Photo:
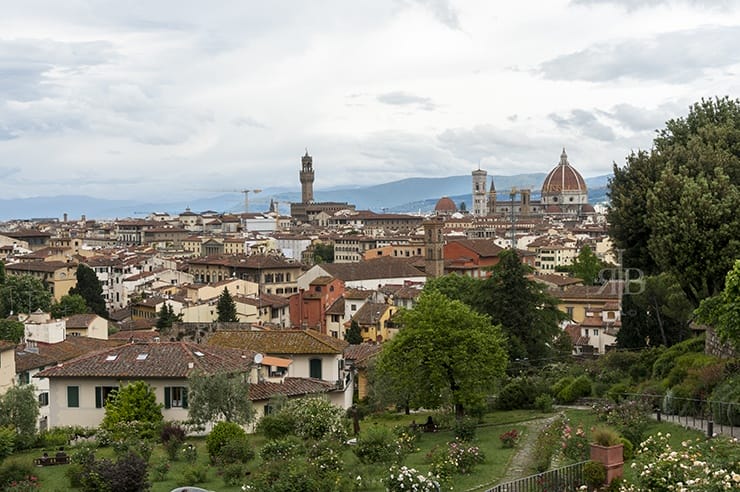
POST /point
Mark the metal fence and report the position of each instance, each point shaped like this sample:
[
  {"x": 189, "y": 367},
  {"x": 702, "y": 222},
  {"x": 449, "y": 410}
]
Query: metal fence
[{"x": 566, "y": 479}]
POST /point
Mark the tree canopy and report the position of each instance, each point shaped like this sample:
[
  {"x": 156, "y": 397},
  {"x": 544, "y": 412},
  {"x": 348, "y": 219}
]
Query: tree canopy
[
  {"x": 226, "y": 308},
  {"x": 353, "y": 335},
  {"x": 134, "y": 402},
  {"x": 166, "y": 318},
  {"x": 723, "y": 311},
  {"x": 219, "y": 397},
  {"x": 19, "y": 410},
  {"x": 674, "y": 209},
  {"x": 445, "y": 353},
  {"x": 23, "y": 294},
  {"x": 90, "y": 288},
  {"x": 11, "y": 330},
  {"x": 323, "y": 253},
  {"x": 587, "y": 266},
  {"x": 69, "y": 305}
]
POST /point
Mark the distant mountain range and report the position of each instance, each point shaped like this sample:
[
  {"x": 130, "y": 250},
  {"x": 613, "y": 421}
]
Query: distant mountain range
[{"x": 410, "y": 195}]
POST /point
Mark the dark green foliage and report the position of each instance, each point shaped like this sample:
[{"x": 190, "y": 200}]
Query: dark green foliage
[
  {"x": 237, "y": 450},
  {"x": 219, "y": 397},
  {"x": 226, "y": 308},
  {"x": 23, "y": 294},
  {"x": 14, "y": 471},
  {"x": 234, "y": 474},
  {"x": 90, "y": 289},
  {"x": 127, "y": 474},
  {"x": 277, "y": 425},
  {"x": 594, "y": 474},
  {"x": 723, "y": 311},
  {"x": 166, "y": 317},
  {"x": 222, "y": 433},
  {"x": 543, "y": 403},
  {"x": 7, "y": 442},
  {"x": 463, "y": 288},
  {"x": 378, "y": 445},
  {"x": 172, "y": 436},
  {"x": 587, "y": 266},
  {"x": 353, "y": 335},
  {"x": 11, "y": 330},
  {"x": 19, "y": 411},
  {"x": 579, "y": 388},
  {"x": 69, "y": 305},
  {"x": 134, "y": 403},
  {"x": 561, "y": 384},
  {"x": 667, "y": 360},
  {"x": 323, "y": 253},
  {"x": 2, "y": 272},
  {"x": 465, "y": 428},
  {"x": 194, "y": 475},
  {"x": 618, "y": 392},
  {"x": 283, "y": 449},
  {"x": 725, "y": 399},
  {"x": 519, "y": 393},
  {"x": 628, "y": 449}
]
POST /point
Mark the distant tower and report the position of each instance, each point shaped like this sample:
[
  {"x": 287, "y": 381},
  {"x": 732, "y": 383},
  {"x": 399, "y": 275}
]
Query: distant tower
[
  {"x": 480, "y": 203},
  {"x": 434, "y": 264},
  {"x": 306, "y": 175},
  {"x": 492, "y": 199}
]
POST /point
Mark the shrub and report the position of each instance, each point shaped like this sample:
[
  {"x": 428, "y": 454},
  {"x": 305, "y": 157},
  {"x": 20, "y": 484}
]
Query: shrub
[
  {"x": 7, "y": 442},
  {"x": 236, "y": 451},
  {"x": 190, "y": 453},
  {"x": 561, "y": 384},
  {"x": 234, "y": 474},
  {"x": 127, "y": 474},
  {"x": 628, "y": 449},
  {"x": 56, "y": 437},
  {"x": 281, "y": 449},
  {"x": 443, "y": 419},
  {"x": 547, "y": 443},
  {"x": 726, "y": 402},
  {"x": 172, "y": 431},
  {"x": 509, "y": 438},
  {"x": 222, "y": 433},
  {"x": 316, "y": 418},
  {"x": 378, "y": 445},
  {"x": 465, "y": 428},
  {"x": 630, "y": 417},
  {"x": 160, "y": 469},
  {"x": 579, "y": 388},
  {"x": 575, "y": 443},
  {"x": 604, "y": 436},
  {"x": 667, "y": 360},
  {"x": 277, "y": 425},
  {"x": 518, "y": 393},
  {"x": 456, "y": 457},
  {"x": 404, "y": 479},
  {"x": 594, "y": 474},
  {"x": 407, "y": 436},
  {"x": 617, "y": 392},
  {"x": 14, "y": 471},
  {"x": 543, "y": 403},
  {"x": 194, "y": 475},
  {"x": 325, "y": 459}
]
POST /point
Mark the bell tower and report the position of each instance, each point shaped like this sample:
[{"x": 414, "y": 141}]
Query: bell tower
[
  {"x": 306, "y": 176},
  {"x": 434, "y": 263}
]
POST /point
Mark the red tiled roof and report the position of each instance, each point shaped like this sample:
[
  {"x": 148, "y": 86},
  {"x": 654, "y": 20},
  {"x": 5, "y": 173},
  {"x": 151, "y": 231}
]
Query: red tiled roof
[
  {"x": 289, "y": 387},
  {"x": 380, "y": 268},
  {"x": 47, "y": 354},
  {"x": 279, "y": 342}
]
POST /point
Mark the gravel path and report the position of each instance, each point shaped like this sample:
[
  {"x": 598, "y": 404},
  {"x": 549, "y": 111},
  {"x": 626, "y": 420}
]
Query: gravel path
[{"x": 521, "y": 463}]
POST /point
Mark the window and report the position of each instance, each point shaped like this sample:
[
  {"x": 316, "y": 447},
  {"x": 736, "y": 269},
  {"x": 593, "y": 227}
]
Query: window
[
  {"x": 73, "y": 396},
  {"x": 335, "y": 318},
  {"x": 175, "y": 397},
  {"x": 43, "y": 399},
  {"x": 315, "y": 368},
  {"x": 569, "y": 312},
  {"x": 268, "y": 409},
  {"x": 353, "y": 307},
  {"x": 102, "y": 393},
  {"x": 23, "y": 378},
  {"x": 596, "y": 332}
]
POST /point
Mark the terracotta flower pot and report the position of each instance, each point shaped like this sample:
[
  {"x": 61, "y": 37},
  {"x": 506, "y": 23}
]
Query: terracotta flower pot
[{"x": 611, "y": 457}]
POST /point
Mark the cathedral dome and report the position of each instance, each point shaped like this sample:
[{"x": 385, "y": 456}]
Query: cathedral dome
[
  {"x": 564, "y": 178},
  {"x": 445, "y": 205}
]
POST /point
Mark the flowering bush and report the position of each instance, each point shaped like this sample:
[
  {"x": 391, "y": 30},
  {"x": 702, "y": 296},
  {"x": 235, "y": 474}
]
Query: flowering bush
[
  {"x": 407, "y": 438},
  {"x": 509, "y": 438},
  {"x": 575, "y": 443},
  {"x": 630, "y": 417},
  {"x": 698, "y": 466},
  {"x": 404, "y": 479},
  {"x": 378, "y": 445},
  {"x": 190, "y": 453},
  {"x": 317, "y": 418},
  {"x": 457, "y": 457},
  {"x": 29, "y": 483}
]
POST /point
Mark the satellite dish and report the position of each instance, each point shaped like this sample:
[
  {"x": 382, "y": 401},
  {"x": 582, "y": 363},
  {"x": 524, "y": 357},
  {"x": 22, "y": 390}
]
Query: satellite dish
[{"x": 258, "y": 358}]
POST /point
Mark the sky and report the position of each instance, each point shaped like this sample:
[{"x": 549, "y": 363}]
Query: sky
[{"x": 169, "y": 99}]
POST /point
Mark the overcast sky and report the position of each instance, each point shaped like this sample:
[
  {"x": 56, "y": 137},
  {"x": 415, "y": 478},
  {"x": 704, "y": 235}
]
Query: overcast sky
[{"x": 175, "y": 98}]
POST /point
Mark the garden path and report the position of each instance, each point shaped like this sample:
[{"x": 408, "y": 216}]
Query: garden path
[{"x": 521, "y": 463}]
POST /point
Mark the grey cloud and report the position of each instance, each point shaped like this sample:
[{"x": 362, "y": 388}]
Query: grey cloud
[
  {"x": 443, "y": 11},
  {"x": 641, "y": 4},
  {"x": 248, "y": 121},
  {"x": 585, "y": 123},
  {"x": 679, "y": 56},
  {"x": 399, "y": 98},
  {"x": 642, "y": 119}
]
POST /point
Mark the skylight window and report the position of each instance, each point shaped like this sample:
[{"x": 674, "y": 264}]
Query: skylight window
[
  {"x": 142, "y": 356},
  {"x": 199, "y": 353},
  {"x": 111, "y": 357}
]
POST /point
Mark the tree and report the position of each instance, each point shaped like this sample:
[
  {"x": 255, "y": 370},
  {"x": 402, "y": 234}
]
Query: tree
[
  {"x": 654, "y": 313},
  {"x": 323, "y": 253},
  {"x": 723, "y": 311},
  {"x": 226, "y": 308},
  {"x": 528, "y": 315},
  {"x": 2, "y": 272},
  {"x": 69, "y": 305},
  {"x": 460, "y": 287},
  {"x": 166, "y": 318},
  {"x": 587, "y": 266},
  {"x": 11, "y": 330},
  {"x": 23, "y": 294},
  {"x": 673, "y": 209},
  {"x": 133, "y": 403},
  {"x": 353, "y": 335},
  {"x": 19, "y": 410},
  {"x": 219, "y": 397},
  {"x": 445, "y": 353},
  {"x": 90, "y": 288}
]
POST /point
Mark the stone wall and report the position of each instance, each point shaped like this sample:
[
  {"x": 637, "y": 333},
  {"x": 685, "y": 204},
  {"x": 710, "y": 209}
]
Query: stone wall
[{"x": 714, "y": 346}]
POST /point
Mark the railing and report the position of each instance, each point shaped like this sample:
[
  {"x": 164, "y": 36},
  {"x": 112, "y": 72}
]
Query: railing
[{"x": 566, "y": 479}]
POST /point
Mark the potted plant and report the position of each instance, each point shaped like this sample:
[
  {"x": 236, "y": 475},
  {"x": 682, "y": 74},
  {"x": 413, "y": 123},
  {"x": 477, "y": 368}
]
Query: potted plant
[{"x": 607, "y": 449}]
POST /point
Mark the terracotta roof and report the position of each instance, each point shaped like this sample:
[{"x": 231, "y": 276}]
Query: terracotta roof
[
  {"x": 558, "y": 280},
  {"x": 609, "y": 291},
  {"x": 360, "y": 353},
  {"x": 154, "y": 360},
  {"x": 445, "y": 204},
  {"x": 289, "y": 387},
  {"x": 323, "y": 280},
  {"x": 269, "y": 360},
  {"x": 370, "y": 313},
  {"x": 563, "y": 177},
  {"x": 482, "y": 247},
  {"x": 39, "y": 266},
  {"x": 80, "y": 320},
  {"x": 357, "y": 294},
  {"x": 47, "y": 354},
  {"x": 279, "y": 342},
  {"x": 383, "y": 267},
  {"x": 337, "y": 307}
]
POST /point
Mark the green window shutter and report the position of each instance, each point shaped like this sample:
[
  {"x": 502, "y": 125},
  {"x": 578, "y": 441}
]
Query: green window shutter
[
  {"x": 184, "y": 398},
  {"x": 167, "y": 397},
  {"x": 315, "y": 368},
  {"x": 98, "y": 397},
  {"x": 73, "y": 396}
]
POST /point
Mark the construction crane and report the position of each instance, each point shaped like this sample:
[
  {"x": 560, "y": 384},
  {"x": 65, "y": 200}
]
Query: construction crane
[{"x": 246, "y": 195}]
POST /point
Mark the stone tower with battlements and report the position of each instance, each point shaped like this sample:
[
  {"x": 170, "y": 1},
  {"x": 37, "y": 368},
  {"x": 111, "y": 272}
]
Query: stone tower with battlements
[{"x": 306, "y": 176}]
